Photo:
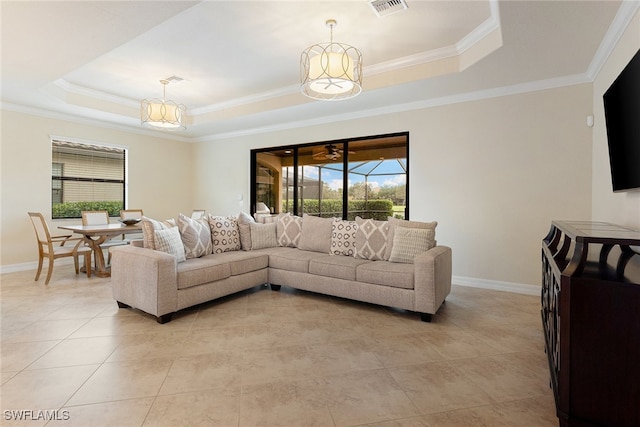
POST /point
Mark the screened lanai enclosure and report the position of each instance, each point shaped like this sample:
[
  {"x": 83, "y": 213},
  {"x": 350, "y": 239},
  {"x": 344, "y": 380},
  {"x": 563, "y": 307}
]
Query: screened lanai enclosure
[{"x": 364, "y": 177}]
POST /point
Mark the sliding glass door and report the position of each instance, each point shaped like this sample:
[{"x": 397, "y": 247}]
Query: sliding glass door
[{"x": 364, "y": 177}]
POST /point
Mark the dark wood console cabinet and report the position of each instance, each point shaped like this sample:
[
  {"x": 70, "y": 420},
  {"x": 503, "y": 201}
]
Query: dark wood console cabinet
[{"x": 591, "y": 322}]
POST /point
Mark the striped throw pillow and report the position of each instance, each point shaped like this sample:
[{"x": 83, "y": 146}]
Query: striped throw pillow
[
  {"x": 409, "y": 243},
  {"x": 168, "y": 240}
]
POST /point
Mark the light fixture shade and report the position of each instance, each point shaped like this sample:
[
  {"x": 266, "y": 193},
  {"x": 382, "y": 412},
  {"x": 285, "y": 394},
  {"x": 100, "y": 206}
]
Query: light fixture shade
[
  {"x": 162, "y": 114},
  {"x": 331, "y": 71}
]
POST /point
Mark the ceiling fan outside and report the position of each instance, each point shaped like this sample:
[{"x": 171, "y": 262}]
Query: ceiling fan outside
[{"x": 331, "y": 152}]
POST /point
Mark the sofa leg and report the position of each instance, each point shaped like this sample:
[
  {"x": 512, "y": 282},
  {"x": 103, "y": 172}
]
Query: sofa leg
[
  {"x": 275, "y": 287},
  {"x": 165, "y": 318},
  {"x": 426, "y": 317},
  {"x": 122, "y": 305}
]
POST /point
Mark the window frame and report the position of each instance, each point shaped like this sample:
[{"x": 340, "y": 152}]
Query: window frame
[
  {"x": 84, "y": 144},
  {"x": 345, "y": 173}
]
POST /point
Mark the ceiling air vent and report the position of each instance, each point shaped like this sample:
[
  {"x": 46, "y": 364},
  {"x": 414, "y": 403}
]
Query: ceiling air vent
[{"x": 387, "y": 7}]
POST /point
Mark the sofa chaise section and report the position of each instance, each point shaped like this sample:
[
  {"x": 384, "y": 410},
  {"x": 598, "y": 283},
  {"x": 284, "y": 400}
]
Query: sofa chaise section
[{"x": 152, "y": 281}]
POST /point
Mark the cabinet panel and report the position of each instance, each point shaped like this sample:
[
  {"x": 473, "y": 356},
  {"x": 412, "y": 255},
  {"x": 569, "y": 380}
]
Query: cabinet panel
[{"x": 591, "y": 320}]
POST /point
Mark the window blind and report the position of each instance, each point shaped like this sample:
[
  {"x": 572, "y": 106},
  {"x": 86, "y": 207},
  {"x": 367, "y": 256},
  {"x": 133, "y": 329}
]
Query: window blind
[{"x": 87, "y": 174}]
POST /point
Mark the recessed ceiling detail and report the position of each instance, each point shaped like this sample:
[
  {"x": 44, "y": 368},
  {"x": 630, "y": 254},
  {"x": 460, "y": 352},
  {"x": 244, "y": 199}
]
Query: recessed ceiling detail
[{"x": 239, "y": 60}]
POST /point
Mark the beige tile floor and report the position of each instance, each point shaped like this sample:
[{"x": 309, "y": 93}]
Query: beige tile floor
[{"x": 263, "y": 358}]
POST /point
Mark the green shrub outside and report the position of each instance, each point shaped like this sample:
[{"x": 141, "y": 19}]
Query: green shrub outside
[
  {"x": 74, "y": 209},
  {"x": 372, "y": 209}
]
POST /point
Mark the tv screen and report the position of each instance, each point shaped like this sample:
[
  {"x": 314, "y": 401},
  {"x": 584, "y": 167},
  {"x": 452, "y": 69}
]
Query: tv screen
[{"x": 622, "y": 116}]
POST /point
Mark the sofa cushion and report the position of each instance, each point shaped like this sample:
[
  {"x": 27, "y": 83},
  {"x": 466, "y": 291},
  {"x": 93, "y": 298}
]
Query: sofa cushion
[
  {"x": 197, "y": 271},
  {"x": 168, "y": 240},
  {"x": 225, "y": 234},
  {"x": 371, "y": 239},
  {"x": 343, "y": 237},
  {"x": 196, "y": 236},
  {"x": 340, "y": 267},
  {"x": 241, "y": 262},
  {"x": 288, "y": 230},
  {"x": 386, "y": 273},
  {"x": 263, "y": 235},
  {"x": 149, "y": 226},
  {"x": 292, "y": 259},
  {"x": 410, "y": 242},
  {"x": 316, "y": 234},
  {"x": 394, "y": 223}
]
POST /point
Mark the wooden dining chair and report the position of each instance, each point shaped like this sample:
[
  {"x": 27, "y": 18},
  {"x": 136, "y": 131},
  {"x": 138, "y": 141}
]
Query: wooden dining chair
[
  {"x": 131, "y": 214},
  {"x": 48, "y": 247},
  {"x": 101, "y": 218}
]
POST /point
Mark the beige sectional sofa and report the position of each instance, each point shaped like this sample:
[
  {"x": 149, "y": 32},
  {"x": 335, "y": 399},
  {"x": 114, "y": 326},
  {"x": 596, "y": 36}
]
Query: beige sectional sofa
[{"x": 307, "y": 253}]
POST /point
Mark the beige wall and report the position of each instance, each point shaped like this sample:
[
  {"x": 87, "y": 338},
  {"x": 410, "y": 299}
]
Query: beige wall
[
  {"x": 620, "y": 208},
  {"x": 493, "y": 173},
  {"x": 160, "y": 176}
]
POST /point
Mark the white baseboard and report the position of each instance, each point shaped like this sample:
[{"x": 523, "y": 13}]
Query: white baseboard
[
  {"x": 26, "y": 266},
  {"x": 496, "y": 285}
]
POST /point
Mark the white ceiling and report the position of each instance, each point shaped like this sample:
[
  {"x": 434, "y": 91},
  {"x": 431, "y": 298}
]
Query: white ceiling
[{"x": 95, "y": 61}]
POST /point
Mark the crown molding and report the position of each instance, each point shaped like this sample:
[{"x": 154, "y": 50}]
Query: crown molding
[
  {"x": 621, "y": 21},
  {"x": 491, "y": 24},
  {"x": 96, "y": 94},
  {"x": 497, "y": 92},
  {"x": 263, "y": 96},
  {"x": 48, "y": 114},
  {"x": 477, "y": 34}
]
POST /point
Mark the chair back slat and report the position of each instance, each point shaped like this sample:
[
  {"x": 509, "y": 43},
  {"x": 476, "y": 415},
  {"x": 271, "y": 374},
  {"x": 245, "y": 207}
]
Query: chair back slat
[
  {"x": 95, "y": 217},
  {"x": 131, "y": 214},
  {"x": 41, "y": 227}
]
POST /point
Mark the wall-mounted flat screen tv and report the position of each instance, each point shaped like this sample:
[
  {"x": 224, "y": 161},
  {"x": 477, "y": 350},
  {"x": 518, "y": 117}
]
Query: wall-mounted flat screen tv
[{"x": 622, "y": 115}]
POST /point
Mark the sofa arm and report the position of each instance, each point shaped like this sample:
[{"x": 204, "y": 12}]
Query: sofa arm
[
  {"x": 432, "y": 277},
  {"x": 144, "y": 279}
]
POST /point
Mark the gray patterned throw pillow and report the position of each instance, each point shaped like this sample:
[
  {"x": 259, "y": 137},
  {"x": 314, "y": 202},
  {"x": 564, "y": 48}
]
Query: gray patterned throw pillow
[
  {"x": 371, "y": 239},
  {"x": 288, "y": 230},
  {"x": 343, "y": 237},
  {"x": 196, "y": 236},
  {"x": 225, "y": 234}
]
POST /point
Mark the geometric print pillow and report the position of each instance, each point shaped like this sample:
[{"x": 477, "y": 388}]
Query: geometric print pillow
[
  {"x": 196, "y": 236},
  {"x": 343, "y": 237},
  {"x": 371, "y": 239},
  {"x": 288, "y": 230},
  {"x": 225, "y": 234}
]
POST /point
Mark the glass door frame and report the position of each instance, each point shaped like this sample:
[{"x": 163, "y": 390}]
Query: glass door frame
[{"x": 345, "y": 164}]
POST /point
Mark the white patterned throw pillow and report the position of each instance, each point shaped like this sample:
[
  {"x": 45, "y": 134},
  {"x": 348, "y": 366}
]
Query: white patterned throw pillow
[
  {"x": 288, "y": 230},
  {"x": 225, "y": 234},
  {"x": 168, "y": 240},
  {"x": 149, "y": 227},
  {"x": 343, "y": 237},
  {"x": 196, "y": 236},
  {"x": 409, "y": 243},
  {"x": 371, "y": 239}
]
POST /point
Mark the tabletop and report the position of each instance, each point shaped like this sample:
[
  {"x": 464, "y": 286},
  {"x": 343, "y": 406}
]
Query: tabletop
[{"x": 106, "y": 229}]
